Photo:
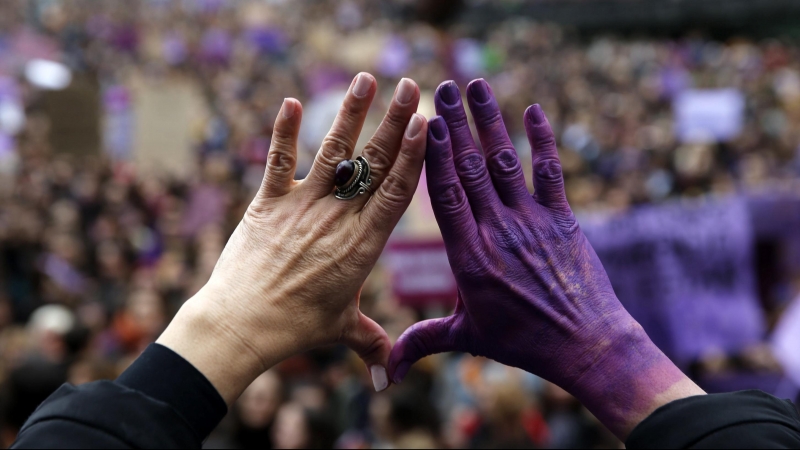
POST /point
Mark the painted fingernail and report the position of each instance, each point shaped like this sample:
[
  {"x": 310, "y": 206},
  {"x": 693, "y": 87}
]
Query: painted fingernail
[
  {"x": 449, "y": 93},
  {"x": 405, "y": 91},
  {"x": 415, "y": 126},
  {"x": 379, "y": 378},
  {"x": 479, "y": 90},
  {"x": 401, "y": 372},
  {"x": 536, "y": 114},
  {"x": 363, "y": 84},
  {"x": 288, "y": 108},
  {"x": 438, "y": 128}
]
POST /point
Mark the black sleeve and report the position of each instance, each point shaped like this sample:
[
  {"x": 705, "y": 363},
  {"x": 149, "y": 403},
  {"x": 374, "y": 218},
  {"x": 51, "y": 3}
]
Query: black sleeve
[
  {"x": 748, "y": 419},
  {"x": 161, "y": 401}
]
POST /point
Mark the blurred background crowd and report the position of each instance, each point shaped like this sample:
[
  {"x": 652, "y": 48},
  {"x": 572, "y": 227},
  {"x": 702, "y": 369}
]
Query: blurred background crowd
[{"x": 134, "y": 134}]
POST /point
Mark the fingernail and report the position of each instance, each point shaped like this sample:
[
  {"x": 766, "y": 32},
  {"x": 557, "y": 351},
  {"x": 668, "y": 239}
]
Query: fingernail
[
  {"x": 401, "y": 372},
  {"x": 363, "y": 85},
  {"x": 449, "y": 93},
  {"x": 379, "y": 378},
  {"x": 479, "y": 90},
  {"x": 536, "y": 115},
  {"x": 288, "y": 108},
  {"x": 405, "y": 91},
  {"x": 415, "y": 126},
  {"x": 438, "y": 128}
]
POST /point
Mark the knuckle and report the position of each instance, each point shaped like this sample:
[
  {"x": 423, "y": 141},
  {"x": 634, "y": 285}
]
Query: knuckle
[
  {"x": 395, "y": 192},
  {"x": 549, "y": 169},
  {"x": 471, "y": 166},
  {"x": 281, "y": 162},
  {"x": 506, "y": 161},
  {"x": 335, "y": 148},
  {"x": 452, "y": 198},
  {"x": 379, "y": 160}
]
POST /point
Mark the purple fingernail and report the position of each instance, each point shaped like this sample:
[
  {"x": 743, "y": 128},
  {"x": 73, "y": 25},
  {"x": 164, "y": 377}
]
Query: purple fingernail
[
  {"x": 438, "y": 128},
  {"x": 401, "y": 372},
  {"x": 480, "y": 91},
  {"x": 536, "y": 115},
  {"x": 449, "y": 93}
]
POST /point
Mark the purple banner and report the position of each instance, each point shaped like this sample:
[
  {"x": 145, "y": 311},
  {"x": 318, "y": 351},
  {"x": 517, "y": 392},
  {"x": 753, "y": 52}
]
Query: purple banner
[
  {"x": 785, "y": 341},
  {"x": 685, "y": 271}
]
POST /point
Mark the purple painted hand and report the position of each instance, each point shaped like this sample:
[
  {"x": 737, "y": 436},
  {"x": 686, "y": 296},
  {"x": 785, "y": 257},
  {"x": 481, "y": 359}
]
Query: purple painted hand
[{"x": 532, "y": 292}]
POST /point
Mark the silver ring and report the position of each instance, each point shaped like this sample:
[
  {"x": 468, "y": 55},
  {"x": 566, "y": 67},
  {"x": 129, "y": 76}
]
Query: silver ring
[{"x": 361, "y": 181}]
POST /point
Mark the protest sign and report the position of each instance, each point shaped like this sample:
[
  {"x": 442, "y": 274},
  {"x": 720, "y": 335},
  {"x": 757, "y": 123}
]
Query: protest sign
[
  {"x": 685, "y": 272},
  {"x": 703, "y": 116},
  {"x": 421, "y": 273},
  {"x": 165, "y": 115},
  {"x": 74, "y": 115}
]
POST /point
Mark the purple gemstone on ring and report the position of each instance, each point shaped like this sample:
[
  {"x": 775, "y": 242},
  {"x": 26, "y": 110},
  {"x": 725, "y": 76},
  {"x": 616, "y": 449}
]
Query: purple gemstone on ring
[{"x": 344, "y": 173}]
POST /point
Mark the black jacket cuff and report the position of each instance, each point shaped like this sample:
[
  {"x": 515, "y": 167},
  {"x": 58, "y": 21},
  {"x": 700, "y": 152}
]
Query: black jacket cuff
[
  {"x": 164, "y": 375},
  {"x": 752, "y": 419}
]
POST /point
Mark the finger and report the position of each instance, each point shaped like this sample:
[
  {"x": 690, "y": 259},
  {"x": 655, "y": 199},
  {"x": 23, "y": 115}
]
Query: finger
[
  {"x": 548, "y": 179},
  {"x": 501, "y": 157},
  {"x": 422, "y": 339},
  {"x": 282, "y": 158},
  {"x": 393, "y": 196},
  {"x": 383, "y": 148},
  {"x": 450, "y": 205},
  {"x": 469, "y": 162},
  {"x": 341, "y": 140},
  {"x": 373, "y": 346}
]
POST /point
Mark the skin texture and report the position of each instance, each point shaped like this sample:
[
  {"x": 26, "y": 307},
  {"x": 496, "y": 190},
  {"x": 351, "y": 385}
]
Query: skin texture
[
  {"x": 532, "y": 292},
  {"x": 290, "y": 277}
]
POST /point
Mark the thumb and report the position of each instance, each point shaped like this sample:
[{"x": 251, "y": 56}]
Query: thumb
[
  {"x": 423, "y": 339},
  {"x": 372, "y": 344}
]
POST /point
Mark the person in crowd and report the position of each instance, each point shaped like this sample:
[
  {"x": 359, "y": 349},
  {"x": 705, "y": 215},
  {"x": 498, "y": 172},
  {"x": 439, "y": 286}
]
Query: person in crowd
[
  {"x": 94, "y": 234},
  {"x": 532, "y": 292}
]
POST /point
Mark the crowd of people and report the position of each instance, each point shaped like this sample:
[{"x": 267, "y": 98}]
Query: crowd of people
[{"x": 96, "y": 257}]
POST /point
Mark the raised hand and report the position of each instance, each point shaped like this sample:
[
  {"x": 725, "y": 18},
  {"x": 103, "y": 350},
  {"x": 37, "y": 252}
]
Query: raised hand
[
  {"x": 532, "y": 292},
  {"x": 290, "y": 277}
]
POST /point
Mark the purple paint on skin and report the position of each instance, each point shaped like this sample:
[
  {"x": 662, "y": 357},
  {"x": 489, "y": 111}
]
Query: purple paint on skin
[{"x": 532, "y": 292}]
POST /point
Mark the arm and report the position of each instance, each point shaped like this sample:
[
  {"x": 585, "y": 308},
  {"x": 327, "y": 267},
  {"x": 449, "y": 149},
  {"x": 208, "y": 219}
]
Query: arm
[
  {"x": 288, "y": 280},
  {"x": 532, "y": 292},
  {"x": 160, "y": 401},
  {"x": 749, "y": 419}
]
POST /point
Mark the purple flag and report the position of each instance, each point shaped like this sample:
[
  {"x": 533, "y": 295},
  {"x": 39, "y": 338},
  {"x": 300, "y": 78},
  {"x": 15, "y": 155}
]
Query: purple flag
[{"x": 685, "y": 272}]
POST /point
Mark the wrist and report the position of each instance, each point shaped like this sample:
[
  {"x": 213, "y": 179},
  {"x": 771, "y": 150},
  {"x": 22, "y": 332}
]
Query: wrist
[
  {"x": 629, "y": 379},
  {"x": 226, "y": 351}
]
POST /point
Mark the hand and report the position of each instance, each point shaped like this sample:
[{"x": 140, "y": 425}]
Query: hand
[
  {"x": 290, "y": 277},
  {"x": 532, "y": 292}
]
